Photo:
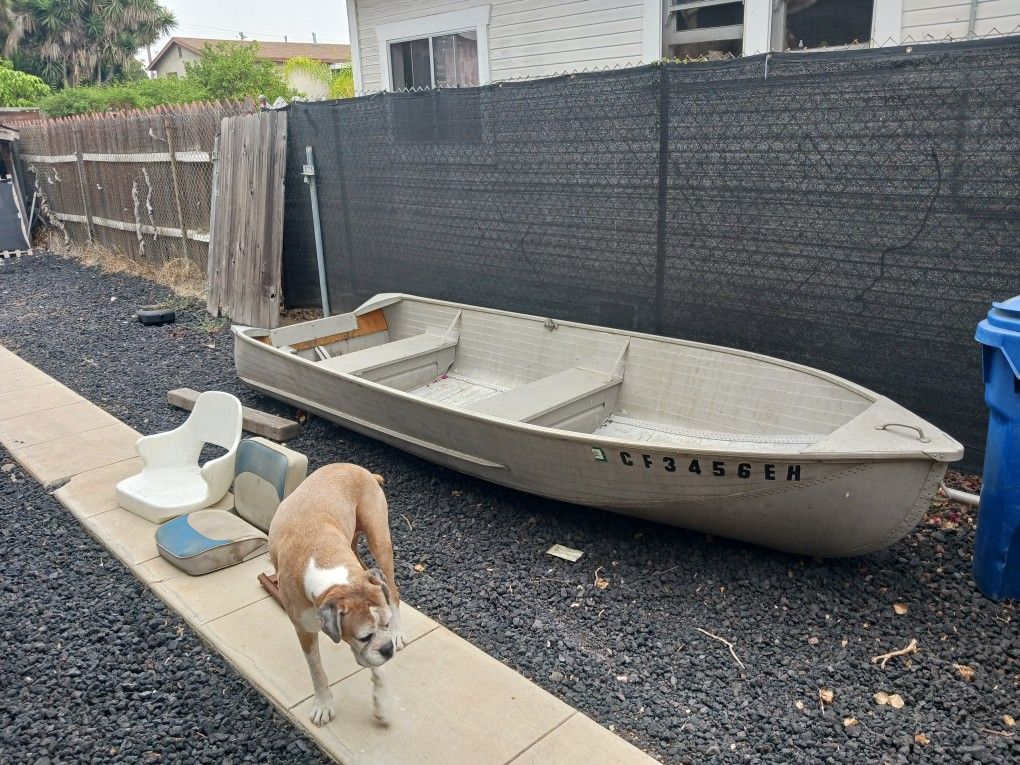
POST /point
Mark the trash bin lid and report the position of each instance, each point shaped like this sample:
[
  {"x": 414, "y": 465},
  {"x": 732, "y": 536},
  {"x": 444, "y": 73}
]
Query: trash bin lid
[{"x": 1001, "y": 329}]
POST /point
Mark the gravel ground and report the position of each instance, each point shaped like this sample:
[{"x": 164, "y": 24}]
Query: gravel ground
[
  {"x": 472, "y": 555},
  {"x": 97, "y": 669}
]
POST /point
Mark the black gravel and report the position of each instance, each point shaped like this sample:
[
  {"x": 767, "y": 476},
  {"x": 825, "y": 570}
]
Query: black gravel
[
  {"x": 96, "y": 669},
  {"x": 473, "y": 556}
]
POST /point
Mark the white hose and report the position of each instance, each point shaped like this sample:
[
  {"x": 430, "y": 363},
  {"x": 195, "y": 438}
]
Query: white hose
[{"x": 960, "y": 496}]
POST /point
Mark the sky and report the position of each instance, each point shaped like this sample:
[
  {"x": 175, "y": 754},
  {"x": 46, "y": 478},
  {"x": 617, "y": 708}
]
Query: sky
[{"x": 259, "y": 20}]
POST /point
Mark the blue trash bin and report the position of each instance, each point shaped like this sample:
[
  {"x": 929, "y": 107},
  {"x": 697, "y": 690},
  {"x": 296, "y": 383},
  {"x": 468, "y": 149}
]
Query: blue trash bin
[{"x": 997, "y": 544}]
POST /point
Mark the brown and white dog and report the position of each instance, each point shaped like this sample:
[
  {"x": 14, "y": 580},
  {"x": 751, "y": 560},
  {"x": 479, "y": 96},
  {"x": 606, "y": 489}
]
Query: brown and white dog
[{"x": 324, "y": 585}]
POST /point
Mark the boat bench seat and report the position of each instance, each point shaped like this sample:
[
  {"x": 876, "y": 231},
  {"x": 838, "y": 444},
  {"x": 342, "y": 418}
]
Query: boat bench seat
[
  {"x": 401, "y": 364},
  {"x": 574, "y": 399}
]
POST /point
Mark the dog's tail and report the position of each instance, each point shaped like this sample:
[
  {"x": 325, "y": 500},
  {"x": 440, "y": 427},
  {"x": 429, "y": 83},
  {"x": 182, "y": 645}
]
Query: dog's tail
[{"x": 379, "y": 479}]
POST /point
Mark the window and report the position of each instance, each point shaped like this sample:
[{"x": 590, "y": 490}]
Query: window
[
  {"x": 720, "y": 28},
  {"x": 705, "y": 28},
  {"x": 445, "y": 50},
  {"x": 441, "y": 61},
  {"x": 801, "y": 24}
]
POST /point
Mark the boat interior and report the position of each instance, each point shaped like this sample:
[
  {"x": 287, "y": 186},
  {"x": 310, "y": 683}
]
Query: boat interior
[{"x": 581, "y": 379}]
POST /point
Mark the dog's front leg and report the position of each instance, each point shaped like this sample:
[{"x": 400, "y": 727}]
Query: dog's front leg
[
  {"x": 322, "y": 706},
  {"x": 381, "y": 547},
  {"x": 381, "y": 699}
]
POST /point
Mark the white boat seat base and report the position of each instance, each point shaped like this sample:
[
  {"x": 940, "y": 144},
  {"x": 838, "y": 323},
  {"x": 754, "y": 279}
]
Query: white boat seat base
[{"x": 157, "y": 495}]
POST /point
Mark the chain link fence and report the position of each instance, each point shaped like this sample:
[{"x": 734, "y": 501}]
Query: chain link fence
[
  {"x": 851, "y": 210},
  {"x": 138, "y": 183}
]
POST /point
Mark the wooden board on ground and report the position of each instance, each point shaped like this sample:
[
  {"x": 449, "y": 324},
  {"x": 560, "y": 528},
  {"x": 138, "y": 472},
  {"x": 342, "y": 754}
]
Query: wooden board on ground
[
  {"x": 246, "y": 227},
  {"x": 271, "y": 584},
  {"x": 259, "y": 423}
]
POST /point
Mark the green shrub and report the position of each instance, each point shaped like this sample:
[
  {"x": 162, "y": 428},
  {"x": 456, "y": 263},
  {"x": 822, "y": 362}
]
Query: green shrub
[
  {"x": 343, "y": 83},
  {"x": 18, "y": 88},
  {"x": 340, "y": 82},
  {"x": 229, "y": 70},
  {"x": 140, "y": 94}
]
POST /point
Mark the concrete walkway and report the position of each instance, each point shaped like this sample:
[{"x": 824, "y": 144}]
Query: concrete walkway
[{"x": 457, "y": 703}]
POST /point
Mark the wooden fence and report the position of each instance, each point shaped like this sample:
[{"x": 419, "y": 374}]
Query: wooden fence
[
  {"x": 246, "y": 247},
  {"x": 139, "y": 183}
]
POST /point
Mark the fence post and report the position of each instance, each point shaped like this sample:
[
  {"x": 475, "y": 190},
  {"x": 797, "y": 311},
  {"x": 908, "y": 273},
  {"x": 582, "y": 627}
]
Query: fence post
[
  {"x": 308, "y": 171},
  {"x": 660, "y": 237},
  {"x": 177, "y": 185},
  {"x": 82, "y": 183},
  {"x": 212, "y": 298}
]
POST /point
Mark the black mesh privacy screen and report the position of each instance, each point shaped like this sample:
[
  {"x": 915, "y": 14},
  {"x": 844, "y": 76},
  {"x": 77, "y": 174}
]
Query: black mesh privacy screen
[{"x": 855, "y": 211}]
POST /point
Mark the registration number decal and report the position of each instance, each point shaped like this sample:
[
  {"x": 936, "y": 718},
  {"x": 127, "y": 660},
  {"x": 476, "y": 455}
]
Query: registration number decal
[{"x": 707, "y": 467}]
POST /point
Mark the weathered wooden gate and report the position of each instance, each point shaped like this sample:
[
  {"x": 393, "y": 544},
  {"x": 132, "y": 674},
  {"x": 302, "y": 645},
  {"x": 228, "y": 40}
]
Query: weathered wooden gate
[{"x": 246, "y": 222}]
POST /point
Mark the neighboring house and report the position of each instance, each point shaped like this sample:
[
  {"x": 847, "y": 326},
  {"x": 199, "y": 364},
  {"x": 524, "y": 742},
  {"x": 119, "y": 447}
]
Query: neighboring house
[
  {"x": 449, "y": 43},
  {"x": 178, "y": 51}
]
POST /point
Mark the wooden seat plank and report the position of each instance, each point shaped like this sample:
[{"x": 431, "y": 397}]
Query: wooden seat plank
[
  {"x": 388, "y": 353},
  {"x": 534, "y": 399}
]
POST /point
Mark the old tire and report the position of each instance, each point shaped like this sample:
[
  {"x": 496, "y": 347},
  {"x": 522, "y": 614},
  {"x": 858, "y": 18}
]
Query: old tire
[{"x": 156, "y": 316}]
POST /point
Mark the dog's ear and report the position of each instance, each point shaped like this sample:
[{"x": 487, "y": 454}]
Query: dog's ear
[
  {"x": 377, "y": 577},
  {"x": 330, "y": 614}
]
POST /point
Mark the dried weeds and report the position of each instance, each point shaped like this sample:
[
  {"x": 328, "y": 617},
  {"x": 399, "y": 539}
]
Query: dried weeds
[{"x": 181, "y": 275}]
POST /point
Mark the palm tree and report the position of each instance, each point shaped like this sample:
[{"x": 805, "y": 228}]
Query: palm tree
[{"x": 72, "y": 42}]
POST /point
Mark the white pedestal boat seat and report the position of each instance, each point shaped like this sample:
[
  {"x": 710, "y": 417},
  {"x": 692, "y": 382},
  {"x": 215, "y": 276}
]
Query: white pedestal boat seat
[{"x": 172, "y": 482}]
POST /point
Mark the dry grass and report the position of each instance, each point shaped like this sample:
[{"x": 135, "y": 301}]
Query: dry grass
[{"x": 180, "y": 275}]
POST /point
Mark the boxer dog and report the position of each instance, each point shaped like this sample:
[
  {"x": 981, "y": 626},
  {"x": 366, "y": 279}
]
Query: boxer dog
[{"x": 324, "y": 585}]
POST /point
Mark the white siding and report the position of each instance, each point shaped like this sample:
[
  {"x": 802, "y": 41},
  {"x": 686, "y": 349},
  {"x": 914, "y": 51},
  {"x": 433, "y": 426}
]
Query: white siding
[
  {"x": 173, "y": 62},
  {"x": 950, "y": 19},
  {"x": 527, "y": 38},
  {"x": 311, "y": 86},
  {"x": 534, "y": 38}
]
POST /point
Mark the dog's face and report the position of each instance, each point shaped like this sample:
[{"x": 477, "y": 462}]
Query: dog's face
[{"x": 359, "y": 614}]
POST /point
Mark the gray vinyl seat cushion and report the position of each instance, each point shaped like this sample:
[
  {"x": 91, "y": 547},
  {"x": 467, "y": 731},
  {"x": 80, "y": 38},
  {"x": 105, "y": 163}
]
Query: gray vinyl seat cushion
[{"x": 207, "y": 540}]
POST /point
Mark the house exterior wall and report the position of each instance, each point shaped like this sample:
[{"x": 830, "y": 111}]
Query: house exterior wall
[
  {"x": 526, "y": 37},
  {"x": 535, "y": 38},
  {"x": 173, "y": 62},
  {"x": 941, "y": 19},
  {"x": 310, "y": 86}
]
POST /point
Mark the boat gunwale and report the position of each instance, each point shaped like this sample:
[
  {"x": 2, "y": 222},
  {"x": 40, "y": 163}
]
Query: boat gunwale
[{"x": 909, "y": 452}]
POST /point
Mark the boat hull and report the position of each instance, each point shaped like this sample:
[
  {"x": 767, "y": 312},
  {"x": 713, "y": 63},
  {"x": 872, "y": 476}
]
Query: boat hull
[{"x": 793, "y": 502}]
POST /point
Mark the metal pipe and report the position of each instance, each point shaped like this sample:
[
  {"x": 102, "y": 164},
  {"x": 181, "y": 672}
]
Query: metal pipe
[
  {"x": 309, "y": 173},
  {"x": 961, "y": 496},
  {"x": 31, "y": 216},
  {"x": 973, "y": 18}
]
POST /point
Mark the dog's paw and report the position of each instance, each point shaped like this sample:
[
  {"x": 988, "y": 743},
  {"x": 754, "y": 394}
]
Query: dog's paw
[
  {"x": 321, "y": 713},
  {"x": 382, "y": 718},
  {"x": 398, "y": 640}
]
